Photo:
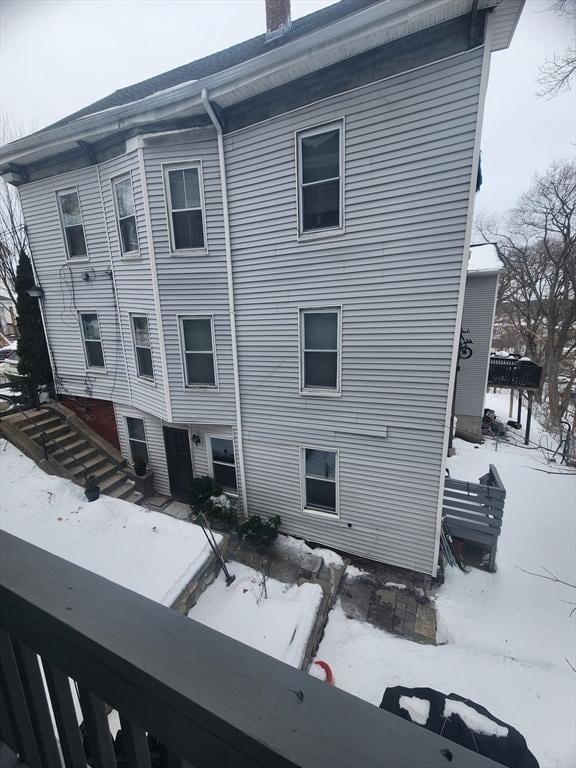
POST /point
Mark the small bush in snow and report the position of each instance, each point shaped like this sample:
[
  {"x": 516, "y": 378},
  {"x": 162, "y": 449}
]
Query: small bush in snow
[
  {"x": 261, "y": 531},
  {"x": 202, "y": 491},
  {"x": 223, "y": 507}
]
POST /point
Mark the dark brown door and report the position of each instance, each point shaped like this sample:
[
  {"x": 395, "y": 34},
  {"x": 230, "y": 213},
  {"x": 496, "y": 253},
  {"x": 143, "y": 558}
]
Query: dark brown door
[{"x": 179, "y": 462}]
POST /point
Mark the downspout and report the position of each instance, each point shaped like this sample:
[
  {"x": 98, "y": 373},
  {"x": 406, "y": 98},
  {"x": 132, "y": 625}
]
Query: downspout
[{"x": 231, "y": 306}]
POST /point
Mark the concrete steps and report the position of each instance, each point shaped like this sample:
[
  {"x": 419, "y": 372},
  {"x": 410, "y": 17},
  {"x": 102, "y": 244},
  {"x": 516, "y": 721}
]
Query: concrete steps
[{"x": 69, "y": 450}]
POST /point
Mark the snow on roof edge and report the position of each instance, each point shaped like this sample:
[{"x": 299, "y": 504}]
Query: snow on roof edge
[{"x": 484, "y": 258}]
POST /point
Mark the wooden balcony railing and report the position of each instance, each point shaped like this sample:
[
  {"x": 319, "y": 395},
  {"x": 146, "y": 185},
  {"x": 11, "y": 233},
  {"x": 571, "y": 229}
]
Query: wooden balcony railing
[
  {"x": 208, "y": 700},
  {"x": 511, "y": 373}
]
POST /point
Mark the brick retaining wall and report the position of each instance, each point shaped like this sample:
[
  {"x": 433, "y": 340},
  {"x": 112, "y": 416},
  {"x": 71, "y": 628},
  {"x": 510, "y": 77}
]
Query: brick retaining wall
[{"x": 98, "y": 414}]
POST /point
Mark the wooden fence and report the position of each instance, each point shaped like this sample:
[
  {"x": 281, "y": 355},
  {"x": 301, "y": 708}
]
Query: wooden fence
[{"x": 474, "y": 511}]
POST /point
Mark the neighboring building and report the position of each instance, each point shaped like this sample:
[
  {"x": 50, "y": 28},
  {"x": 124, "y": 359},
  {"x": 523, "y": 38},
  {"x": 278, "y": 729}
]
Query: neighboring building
[
  {"x": 294, "y": 332},
  {"x": 7, "y": 313},
  {"x": 480, "y": 297}
]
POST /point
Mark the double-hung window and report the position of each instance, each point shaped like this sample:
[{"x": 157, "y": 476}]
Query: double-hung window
[
  {"x": 142, "y": 347},
  {"x": 72, "y": 225},
  {"x": 90, "y": 328},
  {"x": 197, "y": 339},
  {"x": 137, "y": 439},
  {"x": 320, "y": 470},
  {"x": 320, "y": 178},
  {"x": 320, "y": 350},
  {"x": 185, "y": 209},
  {"x": 126, "y": 214},
  {"x": 223, "y": 462}
]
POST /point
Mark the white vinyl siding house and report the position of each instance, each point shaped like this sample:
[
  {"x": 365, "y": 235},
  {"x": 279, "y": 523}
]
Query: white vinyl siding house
[
  {"x": 295, "y": 326},
  {"x": 477, "y": 323}
]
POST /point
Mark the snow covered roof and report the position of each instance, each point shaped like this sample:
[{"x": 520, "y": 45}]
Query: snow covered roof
[{"x": 484, "y": 258}]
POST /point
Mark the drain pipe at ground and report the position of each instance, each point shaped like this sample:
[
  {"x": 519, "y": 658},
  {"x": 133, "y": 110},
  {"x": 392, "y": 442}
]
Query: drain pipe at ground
[{"x": 231, "y": 307}]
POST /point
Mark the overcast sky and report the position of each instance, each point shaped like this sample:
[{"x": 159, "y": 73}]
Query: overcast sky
[{"x": 59, "y": 55}]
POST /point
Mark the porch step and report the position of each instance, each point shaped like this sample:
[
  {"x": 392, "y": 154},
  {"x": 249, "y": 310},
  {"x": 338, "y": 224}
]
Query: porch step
[
  {"x": 73, "y": 448},
  {"x": 68, "y": 440},
  {"x": 93, "y": 465},
  {"x": 40, "y": 433},
  {"x": 46, "y": 422},
  {"x": 114, "y": 482},
  {"x": 69, "y": 454}
]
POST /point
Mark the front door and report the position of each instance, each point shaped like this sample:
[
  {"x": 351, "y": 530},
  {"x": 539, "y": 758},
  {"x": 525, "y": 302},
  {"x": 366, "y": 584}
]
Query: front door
[{"x": 179, "y": 462}]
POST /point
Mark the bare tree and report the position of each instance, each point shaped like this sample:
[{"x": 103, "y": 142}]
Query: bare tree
[
  {"x": 12, "y": 237},
  {"x": 556, "y": 74},
  {"x": 537, "y": 298},
  {"x": 12, "y": 229}
]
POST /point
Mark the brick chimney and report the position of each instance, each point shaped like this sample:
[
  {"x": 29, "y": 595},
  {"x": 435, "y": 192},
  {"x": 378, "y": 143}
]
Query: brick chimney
[{"x": 277, "y": 18}]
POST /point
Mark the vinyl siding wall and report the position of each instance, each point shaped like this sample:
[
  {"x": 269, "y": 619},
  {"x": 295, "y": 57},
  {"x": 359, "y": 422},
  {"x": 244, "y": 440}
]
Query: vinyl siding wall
[
  {"x": 409, "y": 144},
  {"x": 201, "y": 464},
  {"x": 193, "y": 284},
  {"x": 66, "y": 293},
  {"x": 134, "y": 285},
  {"x": 478, "y": 317},
  {"x": 154, "y": 441}
]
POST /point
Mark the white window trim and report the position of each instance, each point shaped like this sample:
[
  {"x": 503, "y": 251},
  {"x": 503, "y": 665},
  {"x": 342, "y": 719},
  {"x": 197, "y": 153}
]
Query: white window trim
[
  {"x": 65, "y": 191},
  {"x": 149, "y": 379},
  {"x": 208, "y": 437},
  {"x": 136, "y": 440},
  {"x": 308, "y": 510},
  {"x": 91, "y": 368},
  {"x": 317, "y": 391},
  {"x": 166, "y": 167},
  {"x": 127, "y": 255},
  {"x": 198, "y": 387},
  {"x": 326, "y": 232}
]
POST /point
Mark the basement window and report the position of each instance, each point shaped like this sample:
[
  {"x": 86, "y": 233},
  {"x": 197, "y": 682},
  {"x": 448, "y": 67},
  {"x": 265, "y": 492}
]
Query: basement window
[
  {"x": 137, "y": 439},
  {"x": 90, "y": 327},
  {"x": 126, "y": 214},
  {"x": 320, "y": 471},
  {"x": 320, "y": 174},
  {"x": 142, "y": 347},
  {"x": 223, "y": 462},
  {"x": 197, "y": 339},
  {"x": 185, "y": 207},
  {"x": 72, "y": 224},
  {"x": 320, "y": 351}
]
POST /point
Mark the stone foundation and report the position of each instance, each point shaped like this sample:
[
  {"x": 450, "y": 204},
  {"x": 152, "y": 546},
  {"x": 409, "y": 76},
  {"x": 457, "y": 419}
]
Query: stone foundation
[{"x": 469, "y": 428}]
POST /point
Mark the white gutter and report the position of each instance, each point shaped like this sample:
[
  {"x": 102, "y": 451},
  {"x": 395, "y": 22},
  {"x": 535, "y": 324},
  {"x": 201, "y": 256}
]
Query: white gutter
[{"x": 231, "y": 305}]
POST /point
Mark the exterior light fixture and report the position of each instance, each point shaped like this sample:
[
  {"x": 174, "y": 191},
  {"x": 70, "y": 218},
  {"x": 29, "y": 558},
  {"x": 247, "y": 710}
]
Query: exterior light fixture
[
  {"x": 196, "y": 439},
  {"x": 35, "y": 291}
]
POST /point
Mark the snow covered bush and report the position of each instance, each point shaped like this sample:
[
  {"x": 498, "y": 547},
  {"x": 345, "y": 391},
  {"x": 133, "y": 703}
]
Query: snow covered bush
[
  {"x": 261, "y": 531},
  {"x": 202, "y": 490},
  {"x": 223, "y": 507}
]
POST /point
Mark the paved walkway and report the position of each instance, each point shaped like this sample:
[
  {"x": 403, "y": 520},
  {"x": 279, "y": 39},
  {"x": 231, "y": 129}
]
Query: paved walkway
[{"x": 392, "y": 599}]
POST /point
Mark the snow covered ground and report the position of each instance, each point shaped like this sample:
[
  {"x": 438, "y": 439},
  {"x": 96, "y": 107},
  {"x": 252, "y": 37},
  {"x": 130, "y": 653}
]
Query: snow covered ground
[
  {"x": 148, "y": 552},
  {"x": 278, "y": 625},
  {"x": 507, "y": 635}
]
